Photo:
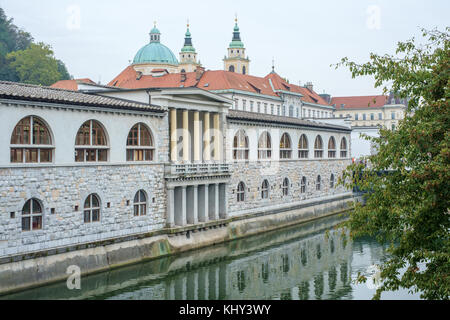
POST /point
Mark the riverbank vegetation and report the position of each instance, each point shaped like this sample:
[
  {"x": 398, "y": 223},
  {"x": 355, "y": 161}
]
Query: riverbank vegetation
[{"x": 409, "y": 207}]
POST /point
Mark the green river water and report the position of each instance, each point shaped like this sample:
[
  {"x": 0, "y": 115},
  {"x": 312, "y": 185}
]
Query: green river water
[{"x": 307, "y": 261}]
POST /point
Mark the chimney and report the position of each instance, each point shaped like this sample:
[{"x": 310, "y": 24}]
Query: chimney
[
  {"x": 199, "y": 72},
  {"x": 183, "y": 76},
  {"x": 309, "y": 86}
]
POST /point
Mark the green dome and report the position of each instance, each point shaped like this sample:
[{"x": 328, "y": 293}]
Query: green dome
[{"x": 155, "y": 52}]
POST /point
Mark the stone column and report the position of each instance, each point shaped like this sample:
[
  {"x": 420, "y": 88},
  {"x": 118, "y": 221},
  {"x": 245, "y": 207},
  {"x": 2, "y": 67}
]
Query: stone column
[
  {"x": 217, "y": 138},
  {"x": 173, "y": 135},
  {"x": 206, "y": 138},
  {"x": 183, "y": 206},
  {"x": 216, "y": 202},
  {"x": 171, "y": 207},
  {"x": 196, "y": 137},
  {"x": 186, "y": 135}
]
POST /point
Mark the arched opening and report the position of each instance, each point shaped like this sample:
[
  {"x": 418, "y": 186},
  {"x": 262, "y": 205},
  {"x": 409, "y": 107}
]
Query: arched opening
[
  {"x": 240, "y": 146},
  {"x": 240, "y": 193},
  {"x": 303, "y": 185},
  {"x": 31, "y": 142},
  {"x": 91, "y": 209},
  {"x": 264, "y": 146},
  {"x": 244, "y": 70},
  {"x": 231, "y": 68},
  {"x": 318, "y": 183},
  {"x": 331, "y": 147},
  {"x": 303, "y": 147},
  {"x": 285, "y": 187},
  {"x": 318, "y": 147},
  {"x": 140, "y": 145},
  {"x": 91, "y": 143},
  {"x": 140, "y": 204},
  {"x": 343, "y": 148},
  {"x": 32, "y": 215},
  {"x": 285, "y": 146},
  {"x": 265, "y": 190}
]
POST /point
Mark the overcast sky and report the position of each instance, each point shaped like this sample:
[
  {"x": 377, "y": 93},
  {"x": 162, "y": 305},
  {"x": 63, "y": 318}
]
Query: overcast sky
[{"x": 97, "y": 39}]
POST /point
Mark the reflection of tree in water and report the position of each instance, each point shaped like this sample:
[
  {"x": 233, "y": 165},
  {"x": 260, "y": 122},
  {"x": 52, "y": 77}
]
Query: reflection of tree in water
[
  {"x": 285, "y": 263},
  {"x": 304, "y": 257},
  {"x": 318, "y": 286},
  {"x": 286, "y": 295},
  {"x": 241, "y": 281},
  {"x": 265, "y": 272},
  {"x": 332, "y": 246},
  {"x": 344, "y": 270},
  {"x": 303, "y": 290},
  {"x": 319, "y": 251},
  {"x": 332, "y": 277}
]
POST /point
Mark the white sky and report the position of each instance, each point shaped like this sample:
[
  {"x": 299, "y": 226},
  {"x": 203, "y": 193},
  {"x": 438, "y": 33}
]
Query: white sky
[{"x": 304, "y": 37}]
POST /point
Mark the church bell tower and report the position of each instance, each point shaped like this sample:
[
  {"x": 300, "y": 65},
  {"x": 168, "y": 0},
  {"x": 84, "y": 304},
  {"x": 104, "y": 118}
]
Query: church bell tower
[{"x": 236, "y": 61}]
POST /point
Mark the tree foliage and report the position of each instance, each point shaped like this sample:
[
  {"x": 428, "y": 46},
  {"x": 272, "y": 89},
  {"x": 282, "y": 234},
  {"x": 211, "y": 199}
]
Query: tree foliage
[
  {"x": 407, "y": 183},
  {"x": 35, "y": 65},
  {"x": 22, "y": 60}
]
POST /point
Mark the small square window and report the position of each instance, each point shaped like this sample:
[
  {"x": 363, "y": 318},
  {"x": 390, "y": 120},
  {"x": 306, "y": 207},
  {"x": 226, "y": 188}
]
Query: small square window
[
  {"x": 128, "y": 202},
  {"x": 52, "y": 210},
  {"x": 12, "y": 215},
  {"x": 153, "y": 200},
  {"x": 76, "y": 208},
  {"x": 108, "y": 205}
]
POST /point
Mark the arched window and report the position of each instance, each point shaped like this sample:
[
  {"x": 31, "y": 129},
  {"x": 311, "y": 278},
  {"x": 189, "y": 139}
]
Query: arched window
[
  {"x": 318, "y": 147},
  {"x": 318, "y": 183},
  {"x": 231, "y": 68},
  {"x": 331, "y": 148},
  {"x": 240, "y": 193},
  {"x": 303, "y": 185},
  {"x": 285, "y": 187},
  {"x": 291, "y": 111},
  {"x": 32, "y": 215},
  {"x": 285, "y": 146},
  {"x": 140, "y": 203},
  {"x": 182, "y": 70},
  {"x": 264, "y": 146},
  {"x": 91, "y": 209},
  {"x": 90, "y": 143},
  {"x": 31, "y": 142},
  {"x": 332, "y": 181},
  {"x": 240, "y": 146},
  {"x": 344, "y": 148},
  {"x": 140, "y": 144},
  {"x": 303, "y": 147},
  {"x": 265, "y": 190},
  {"x": 244, "y": 70}
]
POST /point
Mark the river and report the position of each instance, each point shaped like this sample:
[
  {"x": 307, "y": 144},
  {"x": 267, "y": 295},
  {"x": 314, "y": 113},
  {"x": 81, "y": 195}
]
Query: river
[{"x": 314, "y": 260}]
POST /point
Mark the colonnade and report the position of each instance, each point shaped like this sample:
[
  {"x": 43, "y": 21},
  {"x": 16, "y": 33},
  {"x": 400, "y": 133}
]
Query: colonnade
[
  {"x": 201, "y": 142},
  {"x": 193, "y": 204}
]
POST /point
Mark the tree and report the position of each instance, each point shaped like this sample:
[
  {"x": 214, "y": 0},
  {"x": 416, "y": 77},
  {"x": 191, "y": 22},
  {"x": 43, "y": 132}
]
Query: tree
[
  {"x": 11, "y": 39},
  {"x": 35, "y": 65},
  {"x": 407, "y": 183}
]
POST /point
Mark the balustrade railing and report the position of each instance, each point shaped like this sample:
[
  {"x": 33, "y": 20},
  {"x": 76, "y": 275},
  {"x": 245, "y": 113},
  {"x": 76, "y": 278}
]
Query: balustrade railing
[{"x": 200, "y": 168}]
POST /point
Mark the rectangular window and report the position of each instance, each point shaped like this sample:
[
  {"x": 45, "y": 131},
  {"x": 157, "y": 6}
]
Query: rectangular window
[
  {"x": 393, "y": 115},
  {"x": 244, "y": 105},
  {"x": 372, "y": 116},
  {"x": 236, "y": 104},
  {"x": 356, "y": 116},
  {"x": 265, "y": 107},
  {"x": 380, "y": 116},
  {"x": 271, "y": 109},
  {"x": 278, "y": 110},
  {"x": 251, "y": 106},
  {"x": 259, "y": 107},
  {"x": 364, "y": 116}
]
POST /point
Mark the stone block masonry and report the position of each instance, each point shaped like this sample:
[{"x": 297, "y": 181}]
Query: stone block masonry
[{"x": 62, "y": 192}]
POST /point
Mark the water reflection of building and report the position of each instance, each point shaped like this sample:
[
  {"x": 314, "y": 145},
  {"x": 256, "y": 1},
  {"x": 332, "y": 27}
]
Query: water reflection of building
[{"x": 316, "y": 267}]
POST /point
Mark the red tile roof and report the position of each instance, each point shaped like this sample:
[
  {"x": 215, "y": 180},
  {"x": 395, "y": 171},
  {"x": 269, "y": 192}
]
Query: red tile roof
[
  {"x": 308, "y": 95},
  {"x": 360, "y": 102},
  {"x": 213, "y": 80},
  {"x": 71, "y": 84}
]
